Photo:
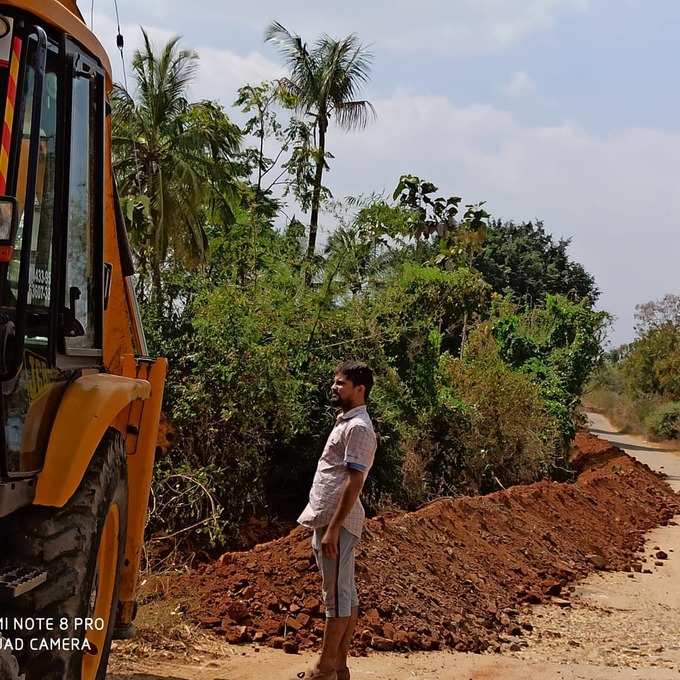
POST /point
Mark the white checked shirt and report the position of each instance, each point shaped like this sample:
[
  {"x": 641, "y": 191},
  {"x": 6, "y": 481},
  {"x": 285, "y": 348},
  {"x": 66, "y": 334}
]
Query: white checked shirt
[{"x": 351, "y": 444}]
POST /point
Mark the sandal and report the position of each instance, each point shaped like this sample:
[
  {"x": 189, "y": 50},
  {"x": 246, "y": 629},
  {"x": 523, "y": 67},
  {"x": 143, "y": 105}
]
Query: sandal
[{"x": 315, "y": 674}]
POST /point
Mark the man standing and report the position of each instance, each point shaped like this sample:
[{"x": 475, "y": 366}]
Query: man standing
[{"x": 336, "y": 515}]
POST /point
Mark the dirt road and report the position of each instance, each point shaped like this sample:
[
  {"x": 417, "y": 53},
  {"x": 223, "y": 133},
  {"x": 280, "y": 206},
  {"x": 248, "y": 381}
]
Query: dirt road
[
  {"x": 656, "y": 456},
  {"x": 620, "y": 626},
  {"x": 622, "y": 619}
]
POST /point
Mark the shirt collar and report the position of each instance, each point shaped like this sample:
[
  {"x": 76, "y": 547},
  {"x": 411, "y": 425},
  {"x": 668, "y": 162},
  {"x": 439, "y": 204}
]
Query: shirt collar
[{"x": 351, "y": 413}]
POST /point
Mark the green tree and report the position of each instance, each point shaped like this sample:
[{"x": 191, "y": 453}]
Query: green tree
[
  {"x": 428, "y": 215},
  {"x": 558, "y": 344},
  {"x": 263, "y": 124},
  {"x": 525, "y": 261},
  {"x": 324, "y": 82},
  {"x": 511, "y": 438},
  {"x": 171, "y": 158},
  {"x": 652, "y": 363}
]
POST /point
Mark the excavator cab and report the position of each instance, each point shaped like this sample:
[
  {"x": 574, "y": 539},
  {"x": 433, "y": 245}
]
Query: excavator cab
[{"x": 79, "y": 397}]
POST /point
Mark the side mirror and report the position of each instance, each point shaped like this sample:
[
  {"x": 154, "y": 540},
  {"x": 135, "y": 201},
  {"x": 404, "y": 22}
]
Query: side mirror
[{"x": 8, "y": 226}]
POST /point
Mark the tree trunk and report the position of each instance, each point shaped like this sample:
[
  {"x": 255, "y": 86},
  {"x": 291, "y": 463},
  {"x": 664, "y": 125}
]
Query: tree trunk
[
  {"x": 463, "y": 338},
  {"x": 259, "y": 163},
  {"x": 316, "y": 195},
  {"x": 156, "y": 285}
]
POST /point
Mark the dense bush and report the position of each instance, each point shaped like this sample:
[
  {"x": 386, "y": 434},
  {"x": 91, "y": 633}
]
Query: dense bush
[
  {"x": 558, "y": 345},
  {"x": 652, "y": 364},
  {"x": 252, "y": 350},
  {"x": 664, "y": 421},
  {"x": 250, "y": 372},
  {"x": 511, "y": 437}
]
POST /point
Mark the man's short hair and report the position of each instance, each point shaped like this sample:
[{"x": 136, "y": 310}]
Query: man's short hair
[{"x": 359, "y": 373}]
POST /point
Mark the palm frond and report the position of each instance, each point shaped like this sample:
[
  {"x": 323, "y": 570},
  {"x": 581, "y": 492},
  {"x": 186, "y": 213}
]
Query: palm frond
[
  {"x": 354, "y": 115},
  {"x": 347, "y": 66},
  {"x": 302, "y": 64},
  {"x": 289, "y": 44}
]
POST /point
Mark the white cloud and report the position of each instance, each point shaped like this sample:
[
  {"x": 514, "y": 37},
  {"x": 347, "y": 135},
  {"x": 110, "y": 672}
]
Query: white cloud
[
  {"x": 520, "y": 85},
  {"x": 471, "y": 27},
  {"x": 221, "y": 71},
  {"x": 560, "y": 171},
  {"x": 457, "y": 27}
]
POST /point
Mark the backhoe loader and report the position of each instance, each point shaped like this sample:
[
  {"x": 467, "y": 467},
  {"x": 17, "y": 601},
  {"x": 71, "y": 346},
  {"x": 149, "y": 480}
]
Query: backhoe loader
[{"x": 80, "y": 399}]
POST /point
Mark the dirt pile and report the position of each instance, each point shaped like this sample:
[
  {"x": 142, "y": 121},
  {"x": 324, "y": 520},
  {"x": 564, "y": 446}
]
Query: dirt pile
[{"x": 453, "y": 573}]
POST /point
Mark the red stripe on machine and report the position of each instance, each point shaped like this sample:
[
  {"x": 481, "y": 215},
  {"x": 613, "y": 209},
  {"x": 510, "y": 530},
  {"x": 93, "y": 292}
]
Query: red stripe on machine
[
  {"x": 9, "y": 115},
  {"x": 11, "y": 90}
]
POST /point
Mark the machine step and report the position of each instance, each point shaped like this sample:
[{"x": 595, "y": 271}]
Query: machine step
[{"x": 15, "y": 580}]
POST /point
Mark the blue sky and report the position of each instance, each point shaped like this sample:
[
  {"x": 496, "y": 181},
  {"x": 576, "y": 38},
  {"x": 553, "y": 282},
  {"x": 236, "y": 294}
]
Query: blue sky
[{"x": 562, "y": 110}]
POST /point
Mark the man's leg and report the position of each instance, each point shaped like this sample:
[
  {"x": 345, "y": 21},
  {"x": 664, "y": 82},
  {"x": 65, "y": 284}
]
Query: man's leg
[
  {"x": 333, "y": 637},
  {"x": 346, "y": 642},
  {"x": 354, "y": 599},
  {"x": 339, "y": 593}
]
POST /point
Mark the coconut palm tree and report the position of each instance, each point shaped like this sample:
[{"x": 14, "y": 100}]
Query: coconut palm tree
[
  {"x": 171, "y": 158},
  {"x": 324, "y": 82}
]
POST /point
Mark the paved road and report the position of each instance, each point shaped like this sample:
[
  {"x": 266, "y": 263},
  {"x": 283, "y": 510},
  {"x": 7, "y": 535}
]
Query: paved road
[
  {"x": 657, "y": 456},
  {"x": 622, "y": 619}
]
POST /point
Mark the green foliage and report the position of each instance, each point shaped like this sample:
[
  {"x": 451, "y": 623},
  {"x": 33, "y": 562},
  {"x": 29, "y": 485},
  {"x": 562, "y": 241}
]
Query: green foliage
[
  {"x": 638, "y": 386},
  {"x": 252, "y": 351},
  {"x": 292, "y": 169},
  {"x": 652, "y": 365},
  {"x": 473, "y": 392},
  {"x": 525, "y": 262},
  {"x": 421, "y": 300},
  {"x": 511, "y": 437},
  {"x": 558, "y": 345},
  {"x": 664, "y": 422},
  {"x": 481, "y": 335},
  {"x": 172, "y": 160},
  {"x": 428, "y": 215},
  {"x": 251, "y": 360},
  {"x": 323, "y": 81}
]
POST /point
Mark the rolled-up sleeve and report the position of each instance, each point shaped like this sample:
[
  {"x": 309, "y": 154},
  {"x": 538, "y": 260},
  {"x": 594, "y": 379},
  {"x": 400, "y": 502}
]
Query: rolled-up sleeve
[{"x": 360, "y": 447}]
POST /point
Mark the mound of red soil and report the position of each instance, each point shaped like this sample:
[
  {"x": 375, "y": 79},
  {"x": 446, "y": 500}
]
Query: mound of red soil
[{"x": 453, "y": 573}]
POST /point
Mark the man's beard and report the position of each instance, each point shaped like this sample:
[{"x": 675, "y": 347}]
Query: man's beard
[{"x": 336, "y": 401}]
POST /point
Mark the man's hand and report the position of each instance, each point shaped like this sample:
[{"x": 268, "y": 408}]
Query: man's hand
[
  {"x": 350, "y": 493},
  {"x": 330, "y": 541}
]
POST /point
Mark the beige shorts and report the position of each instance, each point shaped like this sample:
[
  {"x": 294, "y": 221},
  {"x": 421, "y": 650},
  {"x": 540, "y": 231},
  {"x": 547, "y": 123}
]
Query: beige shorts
[{"x": 338, "y": 585}]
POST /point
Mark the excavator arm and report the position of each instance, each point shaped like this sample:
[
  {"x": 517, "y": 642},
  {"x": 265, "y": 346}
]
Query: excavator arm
[{"x": 72, "y": 6}]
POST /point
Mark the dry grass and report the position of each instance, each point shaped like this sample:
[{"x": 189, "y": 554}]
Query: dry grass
[
  {"x": 621, "y": 410},
  {"x": 627, "y": 414}
]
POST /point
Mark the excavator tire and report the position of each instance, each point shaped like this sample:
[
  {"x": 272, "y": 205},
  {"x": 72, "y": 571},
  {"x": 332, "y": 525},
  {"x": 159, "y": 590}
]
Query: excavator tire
[
  {"x": 9, "y": 668},
  {"x": 82, "y": 548}
]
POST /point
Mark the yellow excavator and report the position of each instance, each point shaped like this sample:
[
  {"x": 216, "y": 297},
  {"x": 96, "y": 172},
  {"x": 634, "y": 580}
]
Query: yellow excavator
[{"x": 80, "y": 398}]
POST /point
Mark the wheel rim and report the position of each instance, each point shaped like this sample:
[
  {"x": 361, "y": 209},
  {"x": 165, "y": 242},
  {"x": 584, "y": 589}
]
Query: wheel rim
[{"x": 104, "y": 583}]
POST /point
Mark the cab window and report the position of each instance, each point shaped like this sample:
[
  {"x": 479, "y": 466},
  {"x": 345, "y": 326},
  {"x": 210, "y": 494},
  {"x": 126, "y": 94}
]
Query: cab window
[
  {"x": 83, "y": 260},
  {"x": 39, "y": 293}
]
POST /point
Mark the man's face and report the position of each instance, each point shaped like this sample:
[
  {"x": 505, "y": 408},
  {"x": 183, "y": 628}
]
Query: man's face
[{"x": 344, "y": 394}]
